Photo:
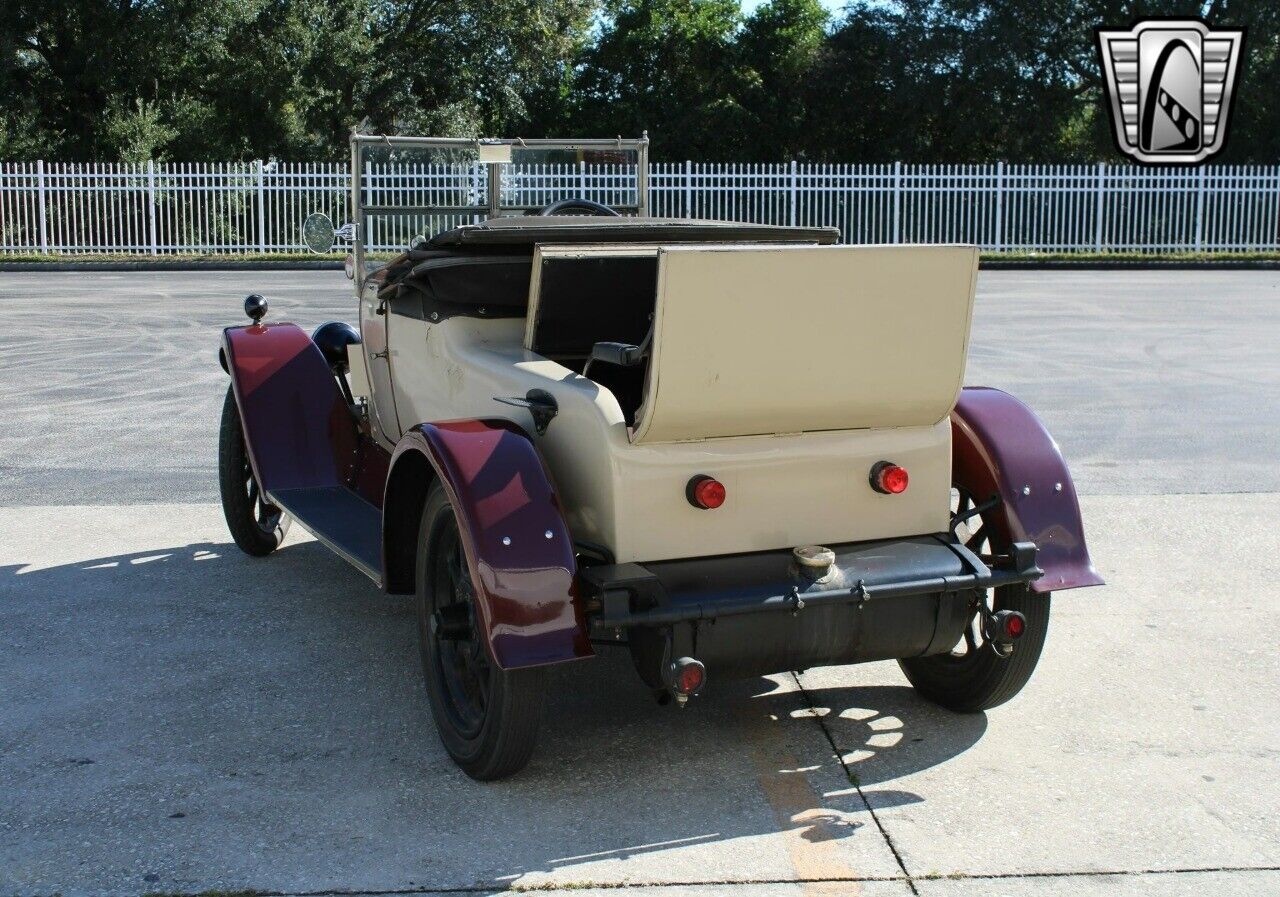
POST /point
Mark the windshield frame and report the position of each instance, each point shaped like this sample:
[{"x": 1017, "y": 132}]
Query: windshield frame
[{"x": 493, "y": 207}]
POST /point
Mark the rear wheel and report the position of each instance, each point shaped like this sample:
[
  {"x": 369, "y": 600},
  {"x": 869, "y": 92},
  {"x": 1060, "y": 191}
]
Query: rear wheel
[
  {"x": 487, "y": 717},
  {"x": 974, "y": 676},
  {"x": 257, "y": 526}
]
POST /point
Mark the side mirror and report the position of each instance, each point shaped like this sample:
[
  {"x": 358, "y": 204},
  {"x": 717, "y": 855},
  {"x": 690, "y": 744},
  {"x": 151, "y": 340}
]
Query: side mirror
[
  {"x": 622, "y": 354},
  {"x": 317, "y": 232}
]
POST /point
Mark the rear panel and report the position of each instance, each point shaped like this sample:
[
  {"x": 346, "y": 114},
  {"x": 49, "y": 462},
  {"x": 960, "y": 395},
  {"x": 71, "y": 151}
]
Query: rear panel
[{"x": 782, "y": 491}]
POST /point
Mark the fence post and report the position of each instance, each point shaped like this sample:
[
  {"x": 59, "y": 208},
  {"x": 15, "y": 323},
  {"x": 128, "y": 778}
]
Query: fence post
[
  {"x": 999, "y": 206},
  {"x": 262, "y": 207},
  {"x": 795, "y": 186},
  {"x": 151, "y": 206},
  {"x": 1200, "y": 209},
  {"x": 688, "y": 188},
  {"x": 897, "y": 202},
  {"x": 582, "y": 178},
  {"x": 1099, "y": 214},
  {"x": 40, "y": 205}
]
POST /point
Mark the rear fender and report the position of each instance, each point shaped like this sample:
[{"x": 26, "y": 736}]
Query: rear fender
[
  {"x": 1000, "y": 448},
  {"x": 518, "y": 547}
]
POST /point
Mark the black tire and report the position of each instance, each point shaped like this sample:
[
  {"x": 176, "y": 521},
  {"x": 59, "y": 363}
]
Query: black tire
[
  {"x": 981, "y": 679},
  {"x": 257, "y": 526},
  {"x": 487, "y": 718},
  {"x": 973, "y": 677}
]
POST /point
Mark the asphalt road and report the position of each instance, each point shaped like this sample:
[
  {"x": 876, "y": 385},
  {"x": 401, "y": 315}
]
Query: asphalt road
[
  {"x": 1153, "y": 381},
  {"x": 176, "y": 717}
]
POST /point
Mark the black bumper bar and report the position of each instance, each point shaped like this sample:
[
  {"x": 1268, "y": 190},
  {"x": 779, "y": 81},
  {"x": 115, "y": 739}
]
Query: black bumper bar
[{"x": 634, "y": 595}]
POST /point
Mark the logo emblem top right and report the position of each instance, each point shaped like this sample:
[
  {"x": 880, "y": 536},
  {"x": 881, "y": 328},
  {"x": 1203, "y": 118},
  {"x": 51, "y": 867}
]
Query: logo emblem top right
[{"x": 1170, "y": 83}]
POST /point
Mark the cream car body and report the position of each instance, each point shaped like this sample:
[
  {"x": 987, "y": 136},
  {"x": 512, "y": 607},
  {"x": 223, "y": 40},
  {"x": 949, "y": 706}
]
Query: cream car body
[{"x": 878, "y": 339}]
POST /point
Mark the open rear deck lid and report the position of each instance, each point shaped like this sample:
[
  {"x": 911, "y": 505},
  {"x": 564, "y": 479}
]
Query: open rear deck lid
[{"x": 787, "y": 339}]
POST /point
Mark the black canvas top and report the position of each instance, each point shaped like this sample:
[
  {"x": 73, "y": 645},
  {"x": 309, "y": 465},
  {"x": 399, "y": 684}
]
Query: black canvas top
[{"x": 525, "y": 231}]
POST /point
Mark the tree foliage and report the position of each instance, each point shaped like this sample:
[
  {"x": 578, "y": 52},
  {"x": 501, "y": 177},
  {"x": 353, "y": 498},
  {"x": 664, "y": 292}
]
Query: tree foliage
[{"x": 916, "y": 80}]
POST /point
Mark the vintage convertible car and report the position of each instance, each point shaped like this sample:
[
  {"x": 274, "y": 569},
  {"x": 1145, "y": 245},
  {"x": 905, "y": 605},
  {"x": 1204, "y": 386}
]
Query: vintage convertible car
[{"x": 733, "y": 449}]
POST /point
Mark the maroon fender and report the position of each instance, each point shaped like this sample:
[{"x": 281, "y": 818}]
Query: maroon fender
[
  {"x": 999, "y": 447},
  {"x": 297, "y": 427},
  {"x": 519, "y": 549}
]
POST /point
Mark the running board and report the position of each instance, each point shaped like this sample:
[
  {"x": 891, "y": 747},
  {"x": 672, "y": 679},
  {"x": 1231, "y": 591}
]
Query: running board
[{"x": 340, "y": 519}]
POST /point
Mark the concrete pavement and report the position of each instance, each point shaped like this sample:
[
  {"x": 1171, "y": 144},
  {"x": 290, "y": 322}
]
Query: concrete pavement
[{"x": 176, "y": 717}]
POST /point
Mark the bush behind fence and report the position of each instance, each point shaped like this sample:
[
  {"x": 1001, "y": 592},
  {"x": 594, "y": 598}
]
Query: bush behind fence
[{"x": 242, "y": 208}]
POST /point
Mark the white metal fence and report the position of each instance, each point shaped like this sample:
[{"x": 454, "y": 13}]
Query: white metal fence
[{"x": 239, "y": 208}]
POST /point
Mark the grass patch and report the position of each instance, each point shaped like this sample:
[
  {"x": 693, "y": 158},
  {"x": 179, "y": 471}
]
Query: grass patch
[
  {"x": 1270, "y": 256},
  {"x": 1019, "y": 256},
  {"x": 141, "y": 258}
]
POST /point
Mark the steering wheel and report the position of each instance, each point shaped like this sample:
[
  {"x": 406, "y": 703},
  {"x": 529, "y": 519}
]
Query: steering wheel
[{"x": 580, "y": 206}]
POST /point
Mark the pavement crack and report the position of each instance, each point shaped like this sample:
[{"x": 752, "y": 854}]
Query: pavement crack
[
  {"x": 557, "y": 887},
  {"x": 853, "y": 780},
  {"x": 1092, "y": 873}
]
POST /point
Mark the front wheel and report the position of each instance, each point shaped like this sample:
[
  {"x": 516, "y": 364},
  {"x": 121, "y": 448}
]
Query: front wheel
[
  {"x": 487, "y": 717},
  {"x": 257, "y": 526},
  {"x": 973, "y": 676}
]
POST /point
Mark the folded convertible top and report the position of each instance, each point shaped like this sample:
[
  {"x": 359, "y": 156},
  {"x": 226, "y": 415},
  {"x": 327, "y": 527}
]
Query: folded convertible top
[{"x": 526, "y": 231}]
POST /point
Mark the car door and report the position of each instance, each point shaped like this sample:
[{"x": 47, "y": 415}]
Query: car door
[{"x": 377, "y": 356}]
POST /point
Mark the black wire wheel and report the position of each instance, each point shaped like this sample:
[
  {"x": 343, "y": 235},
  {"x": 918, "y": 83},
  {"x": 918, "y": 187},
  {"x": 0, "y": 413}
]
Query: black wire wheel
[
  {"x": 977, "y": 673},
  {"x": 487, "y": 717},
  {"x": 257, "y": 526}
]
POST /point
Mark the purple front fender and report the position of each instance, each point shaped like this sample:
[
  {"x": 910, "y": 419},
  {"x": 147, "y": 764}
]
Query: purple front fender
[
  {"x": 1000, "y": 448},
  {"x": 518, "y": 547}
]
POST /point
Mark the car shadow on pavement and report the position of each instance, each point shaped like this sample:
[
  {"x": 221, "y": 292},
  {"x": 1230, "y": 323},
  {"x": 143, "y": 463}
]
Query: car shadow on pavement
[{"x": 201, "y": 696}]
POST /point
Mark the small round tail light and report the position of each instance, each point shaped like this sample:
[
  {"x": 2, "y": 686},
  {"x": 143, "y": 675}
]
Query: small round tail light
[
  {"x": 889, "y": 478},
  {"x": 705, "y": 492},
  {"x": 1010, "y": 624},
  {"x": 687, "y": 676}
]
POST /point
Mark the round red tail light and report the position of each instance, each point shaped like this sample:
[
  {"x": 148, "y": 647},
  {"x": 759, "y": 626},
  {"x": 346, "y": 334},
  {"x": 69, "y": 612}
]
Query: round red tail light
[
  {"x": 1015, "y": 625},
  {"x": 889, "y": 478},
  {"x": 687, "y": 676},
  {"x": 705, "y": 492}
]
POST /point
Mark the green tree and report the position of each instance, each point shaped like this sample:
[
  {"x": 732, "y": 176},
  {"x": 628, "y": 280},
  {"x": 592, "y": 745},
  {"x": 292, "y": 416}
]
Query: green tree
[
  {"x": 1255, "y": 130},
  {"x": 668, "y": 66},
  {"x": 136, "y": 133},
  {"x": 778, "y": 50},
  {"x": 65, "y": 62},
  {"x": 961, "y": 81},
  {"x": 916, "y": 80},
  {"x": 236, "y": 79}
]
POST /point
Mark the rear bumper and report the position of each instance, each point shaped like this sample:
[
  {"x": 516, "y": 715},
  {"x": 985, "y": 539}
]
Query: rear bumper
[
  {"x": 670, "y": 592},
  {"x": 764, "y": 613}
]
